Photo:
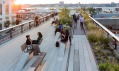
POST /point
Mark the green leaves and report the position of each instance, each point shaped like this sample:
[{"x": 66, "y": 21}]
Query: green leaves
[
  {"x": 108, "y": 67},
  {"x": 64, "y": 16}
]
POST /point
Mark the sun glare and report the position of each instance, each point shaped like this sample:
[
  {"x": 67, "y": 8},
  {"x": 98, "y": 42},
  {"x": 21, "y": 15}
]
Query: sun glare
[{"x": 20, "y": 2}]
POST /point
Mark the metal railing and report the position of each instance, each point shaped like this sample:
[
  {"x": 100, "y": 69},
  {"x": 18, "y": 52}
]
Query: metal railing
[
  {"x": 11, "y": 32},
  {"x": 114, "y": 40}
]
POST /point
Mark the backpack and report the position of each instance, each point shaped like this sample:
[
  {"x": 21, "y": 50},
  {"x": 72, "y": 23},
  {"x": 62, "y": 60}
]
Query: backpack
[{"x": 57, "y": 44}]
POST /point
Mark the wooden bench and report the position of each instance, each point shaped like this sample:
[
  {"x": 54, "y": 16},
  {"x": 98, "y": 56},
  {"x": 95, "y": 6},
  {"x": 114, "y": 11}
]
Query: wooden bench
[{"x": 37, "y": 62}]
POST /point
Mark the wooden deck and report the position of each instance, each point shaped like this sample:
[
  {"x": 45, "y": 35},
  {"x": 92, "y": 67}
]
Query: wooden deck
[{"x": 80, "y": 58}]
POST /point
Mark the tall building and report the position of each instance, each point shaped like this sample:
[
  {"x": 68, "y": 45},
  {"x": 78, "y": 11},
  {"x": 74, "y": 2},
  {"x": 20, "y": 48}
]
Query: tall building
[
  {"x": 5, "y": 11},
  {"x": 112, "y": 2},
  {"x": 117, "y": 5},
  {"x": 61, "y": 3}
]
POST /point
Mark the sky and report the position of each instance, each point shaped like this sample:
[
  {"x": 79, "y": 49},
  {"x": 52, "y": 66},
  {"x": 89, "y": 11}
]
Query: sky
[{"x": 65, "y": 1}]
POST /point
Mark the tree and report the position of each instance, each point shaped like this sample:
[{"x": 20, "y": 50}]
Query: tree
[
  {"x": 7, "y": 23},
  {"x": 92, "y": 11},
  {"x": 64, "y": 16}
]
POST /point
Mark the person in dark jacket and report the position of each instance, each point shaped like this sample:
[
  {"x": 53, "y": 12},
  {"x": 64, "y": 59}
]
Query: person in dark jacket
[
  {"x": 38, "y": 39},
  {"x": 28, "y": 42},
  {"x": 66, "y": 36}
]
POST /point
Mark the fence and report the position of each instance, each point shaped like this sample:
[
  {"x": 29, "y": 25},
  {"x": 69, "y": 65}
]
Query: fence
[{"x": 11, "y": 32}]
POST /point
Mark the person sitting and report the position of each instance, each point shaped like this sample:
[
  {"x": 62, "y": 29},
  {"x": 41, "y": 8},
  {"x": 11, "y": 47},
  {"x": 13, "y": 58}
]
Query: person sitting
[
  {"x": 28, "y": 42},
  {"x": 65, "y": 36},
  {"x": 30, "y": 45},
  {"x": 38, "y": 39},
  {"x": 60, "y": 26}
]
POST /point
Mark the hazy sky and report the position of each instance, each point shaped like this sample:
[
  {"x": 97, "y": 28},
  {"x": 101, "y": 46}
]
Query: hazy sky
[{"x": 65, "y": 1}]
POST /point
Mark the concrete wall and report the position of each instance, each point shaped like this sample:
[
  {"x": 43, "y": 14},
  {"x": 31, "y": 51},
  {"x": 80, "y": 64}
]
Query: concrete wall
[{"x": 110, "y": 23}]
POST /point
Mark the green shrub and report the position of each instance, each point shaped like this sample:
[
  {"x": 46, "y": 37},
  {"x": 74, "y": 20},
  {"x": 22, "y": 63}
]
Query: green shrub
[
  {"x": 64, "y": 16},
  {"x": 104, "y": 67},
  {"x": 92, "y": 38},
  {"x": 7, "y": 24},
  {"x": 109, "y": 67},
  {"x": 116, "y": 67},
  {"x": 104, "y": 40},
  {"x": 91, "y": 26}
]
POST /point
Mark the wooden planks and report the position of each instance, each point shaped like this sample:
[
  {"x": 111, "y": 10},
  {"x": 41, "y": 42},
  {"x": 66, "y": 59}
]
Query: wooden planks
[
  {"x": 83, "y": 56},
  {"x": 38, "y": 60},
  {"x": 86, "y": 55},
  {"x": 76, "y": 54},
  {"x": 9, "y": 59},
  {"x": 92, "y": 60},
  {"x": 22, "y": 62},
  {"x": 71, "y": 59}
]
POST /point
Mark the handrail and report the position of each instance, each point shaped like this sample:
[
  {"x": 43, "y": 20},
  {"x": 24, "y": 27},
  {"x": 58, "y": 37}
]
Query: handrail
[
  {"x": 103, "y": 27},
  {"x": 108, "y": 18},
  {"x": 23, "y": 23},
  {"x": 16, "y": 25},
  {"x": 11, "y": 32}
]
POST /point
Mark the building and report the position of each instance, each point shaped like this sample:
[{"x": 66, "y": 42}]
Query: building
[
  {"x": 6, "y": 11},
  {"x": 112, "y": 3},
  {"x": 61, "y": 3},
  {"x": 109, "y": 10},
  {"x": 117, "y": 5}
]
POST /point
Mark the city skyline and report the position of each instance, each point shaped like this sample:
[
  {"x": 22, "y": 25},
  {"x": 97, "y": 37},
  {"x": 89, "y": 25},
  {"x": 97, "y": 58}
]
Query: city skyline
[{"x": 65, "y": 1}]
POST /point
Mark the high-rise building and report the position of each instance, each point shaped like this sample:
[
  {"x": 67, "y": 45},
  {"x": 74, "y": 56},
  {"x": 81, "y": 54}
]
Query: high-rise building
[
  {"x": 61, "y": 3},
  {"x": 6, "y": 11},
  {"x": 117, "y": 5},
  {"x": 112, "y": 2}
]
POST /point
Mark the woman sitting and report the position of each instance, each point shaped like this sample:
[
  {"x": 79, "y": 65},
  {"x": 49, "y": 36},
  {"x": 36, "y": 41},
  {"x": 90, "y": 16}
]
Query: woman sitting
[
  {"x": 38, "y": 39},
  {"x": 28, "y": 42}
]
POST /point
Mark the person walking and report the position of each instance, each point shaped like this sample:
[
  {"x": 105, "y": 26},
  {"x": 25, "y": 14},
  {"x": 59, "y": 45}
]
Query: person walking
[
  {"x": 75, "y": 20},
  {"x": 36, "y": 21},
  {"x": 81, "y": 21}
]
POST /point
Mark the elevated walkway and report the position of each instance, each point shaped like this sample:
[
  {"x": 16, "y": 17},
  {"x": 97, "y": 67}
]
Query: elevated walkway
[{"x": 81, "y": 57}]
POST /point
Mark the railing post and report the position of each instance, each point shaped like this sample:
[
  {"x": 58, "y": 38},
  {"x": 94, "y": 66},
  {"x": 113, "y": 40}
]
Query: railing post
[
  {"x": 108, "y": 35},
  {"x": 115, "y": 44},
  {"x": 11, "y": 32},
  {"x": 29, "y": 25},
  {"x": 21, "y": 28}
]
